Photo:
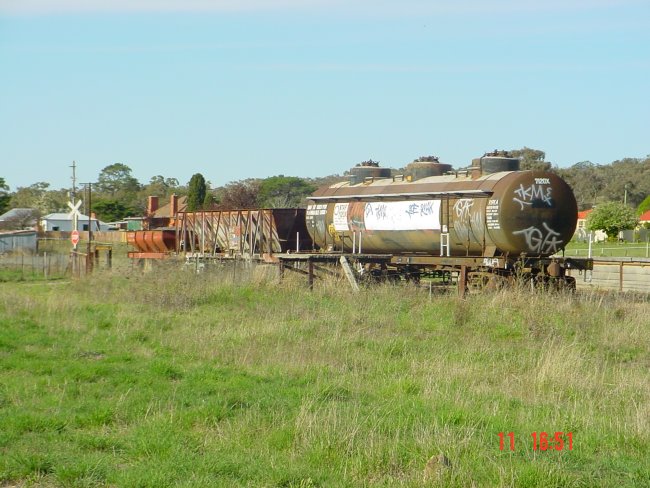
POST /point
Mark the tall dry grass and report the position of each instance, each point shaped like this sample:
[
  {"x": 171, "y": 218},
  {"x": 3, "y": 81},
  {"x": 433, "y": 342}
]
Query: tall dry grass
[{"x": 176, "y": 378}]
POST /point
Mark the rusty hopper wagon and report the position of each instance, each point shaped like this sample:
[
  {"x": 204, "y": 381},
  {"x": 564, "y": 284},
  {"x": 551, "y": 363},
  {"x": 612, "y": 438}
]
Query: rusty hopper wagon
[
  {"x": 239, "y": 233},
  {"x": 225, "y": 234},
  {"x": 491, "y": 220}
]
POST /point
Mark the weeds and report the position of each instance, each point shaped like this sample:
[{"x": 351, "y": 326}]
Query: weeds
[{"x": 181, "y": 379}]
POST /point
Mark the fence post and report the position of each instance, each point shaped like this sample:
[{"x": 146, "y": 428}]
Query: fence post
[{"x": 620, "y": 277}]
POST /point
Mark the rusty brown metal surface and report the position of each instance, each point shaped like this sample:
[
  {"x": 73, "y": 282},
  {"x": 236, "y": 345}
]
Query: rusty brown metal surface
[
  {"x": 155, "y": 242},
  {"x": 503, "y": 213},
  {"x": 260, "y": 232},
  {"x": 148, "y": 255}
]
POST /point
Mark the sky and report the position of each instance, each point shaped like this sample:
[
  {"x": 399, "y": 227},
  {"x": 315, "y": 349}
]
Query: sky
[{"x": 235, "y": 89}]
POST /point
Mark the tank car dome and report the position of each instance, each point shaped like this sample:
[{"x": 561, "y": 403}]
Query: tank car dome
[
  {"x": 495, "y": 162},
  {"x": 426, "y": 166},
  {"x": 368, "y": 169}
]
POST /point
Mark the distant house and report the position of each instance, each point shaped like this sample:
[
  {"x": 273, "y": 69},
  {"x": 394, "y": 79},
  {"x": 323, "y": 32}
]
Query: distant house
[
  {"x": 644, "y": 218},
  {"x": 19, "y": 218},
  {"x": 63, "y": 222},
  {"x": 582, "y": 234},
  {"x": 135, "y": 223},
  {"x": 164, "y": 216}
]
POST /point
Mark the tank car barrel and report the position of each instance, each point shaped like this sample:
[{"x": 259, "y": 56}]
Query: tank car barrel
[{"x": 494, "y": 209}]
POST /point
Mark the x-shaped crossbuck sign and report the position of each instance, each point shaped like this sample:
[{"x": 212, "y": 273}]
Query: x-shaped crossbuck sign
[{"x": 75, "y": 209}]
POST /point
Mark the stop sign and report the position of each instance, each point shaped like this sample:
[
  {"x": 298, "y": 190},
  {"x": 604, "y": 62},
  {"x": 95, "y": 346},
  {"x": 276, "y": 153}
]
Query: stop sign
[{"x": 74, "y": 237}]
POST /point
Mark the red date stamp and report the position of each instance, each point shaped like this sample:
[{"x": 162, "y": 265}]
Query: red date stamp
[{"x": 541, "y": 441}]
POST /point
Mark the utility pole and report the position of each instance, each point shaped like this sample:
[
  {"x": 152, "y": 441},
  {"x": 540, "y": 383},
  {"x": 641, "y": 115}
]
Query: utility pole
[
  {"x": 74, "y": 182},
  {"x": 89, "y": 256},
  {"x": 73, "y": 197}
]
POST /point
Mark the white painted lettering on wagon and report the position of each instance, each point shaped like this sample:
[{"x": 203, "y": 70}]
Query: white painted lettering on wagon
[
  {"x": 492, "y": 215},
  {"x": 319, "y": 209},
  {"x": 541, "y": 241},
  {"x": 491, "y": 262},
  {"x": 406, "y": 215},
  {"x": 340, "y": 217},
  {"x": 526, "y": 195}
]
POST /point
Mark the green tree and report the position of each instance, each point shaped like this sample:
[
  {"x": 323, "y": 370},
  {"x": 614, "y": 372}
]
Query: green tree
[
  {"x": 644, "y": 206},
  {"x": 242, "y": 194},
  {"x": 283, "y": 191},
  {"x": 612, "y": 217},
  {"x": 209, "y": 201},
  {"x": 4, "y": 196},
  {"x": 196, "y": 192},
  {"x": 160, "y": 186},
  {"x": 330, "y": 180},
  {"x": 587, "y": 181},
  {"x": 628, "y": 177},
  {"x": 115, "y": 182},
  {"x": 110, "y": 210},
  {"x": 39, "y": 197},
  {"x": 531, "y": 159},
  {"x": 116, "y": 179}
]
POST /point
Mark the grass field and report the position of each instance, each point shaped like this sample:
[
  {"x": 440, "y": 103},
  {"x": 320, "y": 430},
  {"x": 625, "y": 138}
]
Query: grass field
[
  {"x": 609, "y": 249},
  {"x": 174, "y": 379}
]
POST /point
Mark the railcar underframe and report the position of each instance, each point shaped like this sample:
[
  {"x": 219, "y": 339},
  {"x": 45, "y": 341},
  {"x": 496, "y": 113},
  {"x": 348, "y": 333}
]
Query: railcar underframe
[{"x": 471, "y": 273}]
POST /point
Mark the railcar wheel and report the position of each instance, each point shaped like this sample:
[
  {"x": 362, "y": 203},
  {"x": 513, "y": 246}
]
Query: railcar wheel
[{"x": 479, "y": 281}]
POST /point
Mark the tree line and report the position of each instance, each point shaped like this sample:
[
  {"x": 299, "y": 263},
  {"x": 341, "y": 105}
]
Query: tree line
[{"x": 118, "y": 194}]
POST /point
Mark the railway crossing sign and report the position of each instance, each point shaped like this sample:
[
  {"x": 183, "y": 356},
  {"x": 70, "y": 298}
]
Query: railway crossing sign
[
  {"x": 74, "y": 215},
  {"x": 75, "y": 209},
  {"x": 74, "y": 237}
]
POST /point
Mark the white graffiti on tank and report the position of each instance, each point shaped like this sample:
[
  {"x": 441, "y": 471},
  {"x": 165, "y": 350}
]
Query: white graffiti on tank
[
  {"x": 527, "y": 195},
  {"x": 402, "y": 215},
  {"x": 541, "y": 241},
  {"x": 462, "y": 208},
  {"x": 468, "y": 220},
  {"x": 420, "y": 209}
]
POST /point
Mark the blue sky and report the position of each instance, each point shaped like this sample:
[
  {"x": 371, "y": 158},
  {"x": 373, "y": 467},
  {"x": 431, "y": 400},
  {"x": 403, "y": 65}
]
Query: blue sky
[{"x": 254, "y": 88}]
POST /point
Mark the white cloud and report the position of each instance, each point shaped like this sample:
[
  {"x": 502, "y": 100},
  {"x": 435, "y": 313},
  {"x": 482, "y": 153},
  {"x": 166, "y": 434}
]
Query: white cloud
[{"x": 368, "y": 7}]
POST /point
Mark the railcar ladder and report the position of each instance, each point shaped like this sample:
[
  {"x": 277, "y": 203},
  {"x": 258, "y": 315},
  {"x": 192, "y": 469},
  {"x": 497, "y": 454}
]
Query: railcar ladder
[
  {"x": 444, "y": 244},
  {"x": 445, "y": 222}
]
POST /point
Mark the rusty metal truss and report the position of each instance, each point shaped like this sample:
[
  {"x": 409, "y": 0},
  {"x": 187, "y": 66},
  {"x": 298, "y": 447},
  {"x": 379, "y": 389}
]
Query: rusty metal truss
[{"x": 240, "y": 233}]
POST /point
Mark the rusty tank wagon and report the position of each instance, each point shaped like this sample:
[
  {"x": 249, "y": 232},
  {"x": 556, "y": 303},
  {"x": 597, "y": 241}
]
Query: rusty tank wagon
[
  {"x": 484, "y": 226},
  {"x": 490, "y": 220}
]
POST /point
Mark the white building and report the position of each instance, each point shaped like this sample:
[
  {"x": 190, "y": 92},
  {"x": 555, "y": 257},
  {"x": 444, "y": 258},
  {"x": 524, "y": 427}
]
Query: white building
[
  {"x": 582, "y": 234},
  {"x": 63, "y": 222}
]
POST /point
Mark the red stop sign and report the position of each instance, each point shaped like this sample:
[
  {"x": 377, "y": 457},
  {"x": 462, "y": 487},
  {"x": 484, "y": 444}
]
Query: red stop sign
[{"x": 74, "y": 237}]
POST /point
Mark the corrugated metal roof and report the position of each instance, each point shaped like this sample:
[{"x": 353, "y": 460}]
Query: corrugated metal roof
[
  {"x": 584, "y": 213},
  {"x": 64, "y": 216},
  {"x": 17, "y": 213}
]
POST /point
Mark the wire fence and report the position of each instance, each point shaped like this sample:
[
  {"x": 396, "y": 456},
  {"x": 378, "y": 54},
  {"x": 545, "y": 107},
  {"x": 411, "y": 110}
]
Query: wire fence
[
  {"x": 642, "y": 251},
  {"x": 37, "y": 266}
]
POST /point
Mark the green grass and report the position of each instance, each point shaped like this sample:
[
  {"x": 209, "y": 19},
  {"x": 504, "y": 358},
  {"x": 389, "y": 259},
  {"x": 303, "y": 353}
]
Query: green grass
[
  {"x": 14, "y": 274},
  {"x": 608, "y": 249},
  {"x": 174, "y": 379}
]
